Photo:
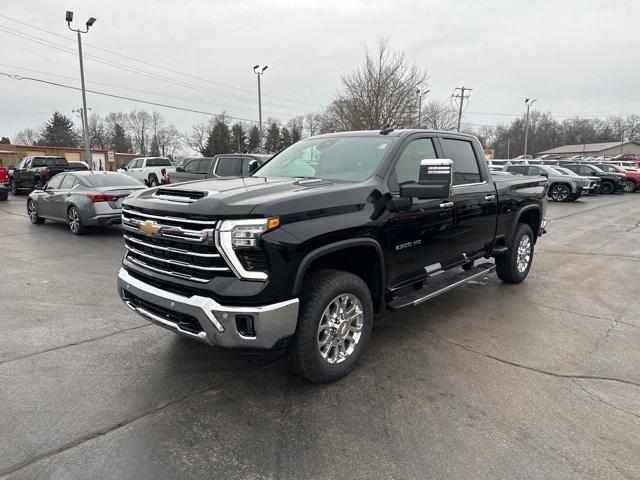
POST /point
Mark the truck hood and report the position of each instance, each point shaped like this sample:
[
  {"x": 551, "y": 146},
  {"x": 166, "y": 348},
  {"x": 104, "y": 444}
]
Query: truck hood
[{"x": 253, "y": 196}]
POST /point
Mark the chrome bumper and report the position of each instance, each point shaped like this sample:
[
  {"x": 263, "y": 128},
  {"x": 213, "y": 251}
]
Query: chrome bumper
[{"x": 272, "y": 323}]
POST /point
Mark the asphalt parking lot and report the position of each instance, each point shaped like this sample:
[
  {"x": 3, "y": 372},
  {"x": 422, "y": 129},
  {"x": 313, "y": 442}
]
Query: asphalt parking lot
[{"x": 533, "y": 381}]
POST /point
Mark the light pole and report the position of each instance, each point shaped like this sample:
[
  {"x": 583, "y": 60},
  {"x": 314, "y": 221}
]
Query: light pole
[
  {"x": 85, "y": 126},
  {"x": 526, "y": 125},
  {"x": 420, "y": 94},
  {"x": 259, "y": 72}
]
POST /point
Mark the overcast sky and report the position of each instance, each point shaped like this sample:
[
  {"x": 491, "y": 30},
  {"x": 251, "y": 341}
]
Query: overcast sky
[{"x": 576, "y": 57}]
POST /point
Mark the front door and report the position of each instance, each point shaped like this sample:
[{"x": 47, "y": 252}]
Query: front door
[
  {"x": 474, "y": 199},
  {"x": 20, "y": 173},
  {"x": 415, "y": 239},
  {"x": 46, "y": 200}
]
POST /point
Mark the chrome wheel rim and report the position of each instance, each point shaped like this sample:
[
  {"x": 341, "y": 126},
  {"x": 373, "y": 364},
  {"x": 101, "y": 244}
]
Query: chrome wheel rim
[
  {"x": 74, "y": 220},
  {"x": 629, "y": 186},
  {"x": 524, "y": 253},
  {"x": 340, "y": 328},
  {"x": 31, "y": 210}
]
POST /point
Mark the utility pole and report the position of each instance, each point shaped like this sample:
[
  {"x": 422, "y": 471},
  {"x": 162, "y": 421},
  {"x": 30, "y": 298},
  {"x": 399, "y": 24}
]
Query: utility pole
[
  {"x": 526, "y": 125},
  {"x": 509, "y": 148},
  {"x": 462, "y": 96},
  {"x": 259, "y": 72},
  {"x": 420, "y": 94},
  {"x": 85, "y": 126}
]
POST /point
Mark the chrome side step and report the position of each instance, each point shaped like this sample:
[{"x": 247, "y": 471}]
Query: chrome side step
[{"x": 441, "y": 286}]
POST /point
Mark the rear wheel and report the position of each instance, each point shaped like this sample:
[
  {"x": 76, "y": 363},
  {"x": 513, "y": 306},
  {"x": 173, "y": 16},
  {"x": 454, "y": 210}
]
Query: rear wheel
[
  {"x": 629, "y": 186},
  {"x": 607, "y": 187},
  {"x": 75, "y": 222},
  {"x": 513, "y": 266},
  {"x": 153, "y": 181},
  {"x": 560, "y": 192},
  {"x": 32, "y": 210},
  {"x": 334, "y": 325}
]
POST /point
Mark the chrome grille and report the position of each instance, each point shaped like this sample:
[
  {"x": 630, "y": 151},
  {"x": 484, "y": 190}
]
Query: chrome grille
[{"x": 175, "y": 246}]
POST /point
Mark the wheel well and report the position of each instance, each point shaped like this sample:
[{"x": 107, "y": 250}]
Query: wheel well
[
  {"x": 531, "y": 218},
  {"x": 361, "y": 261}
]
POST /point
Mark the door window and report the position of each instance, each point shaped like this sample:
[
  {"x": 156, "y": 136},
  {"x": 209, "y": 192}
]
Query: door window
[
  {"x": 204, "y": 165},
  {"x": 68, "y": 182},
  {"x": 139, "y": 163},
  {"x": 407, "y": 169},
  {"x": 535, "y": 171},
  {"x": 465, "y": 163},
  {"x": 191, "y": 166},
  {"x": 228, "y": 167},
  {"x": 27, "y": 164},
  {"x": 55, "y": 182}
]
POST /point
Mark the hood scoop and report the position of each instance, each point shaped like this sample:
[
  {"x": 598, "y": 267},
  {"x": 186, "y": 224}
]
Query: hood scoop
[{"x": 180, "y": 196}]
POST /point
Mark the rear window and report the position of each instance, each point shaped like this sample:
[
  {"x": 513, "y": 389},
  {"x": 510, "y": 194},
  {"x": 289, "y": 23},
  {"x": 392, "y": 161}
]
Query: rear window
[
  {"x": 49, "y": 162},
  {"x": 158, "y": 162},
  {"x": 110, "y": 180}
]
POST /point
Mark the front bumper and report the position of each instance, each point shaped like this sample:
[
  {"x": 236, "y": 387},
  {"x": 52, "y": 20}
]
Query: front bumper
[{"x": 205, "y": 320}]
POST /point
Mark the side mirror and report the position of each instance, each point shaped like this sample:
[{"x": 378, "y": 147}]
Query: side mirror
[
  {"x": 545, "y": 174},
  {"x": 434, "y": 180},
  {"x": 179, "y": 169},
  {"x": 253, "y": 166}
]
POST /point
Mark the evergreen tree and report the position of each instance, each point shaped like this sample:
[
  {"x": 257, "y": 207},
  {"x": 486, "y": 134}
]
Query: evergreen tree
[
  {"x": 238, "y": 138},
  {"x": 285, "y": 138},
  {"x": 5, "y": 140},
  {"x": 254, "y": 139},
  {"x": 296, "y": 133},
  {"x": 272, "y": 141},
  {"x": 155, "y": 147},
  {"x": 59, "y": 132},
  {"x": 219, "y": 140},
  {"x": 119, "y": 142}
]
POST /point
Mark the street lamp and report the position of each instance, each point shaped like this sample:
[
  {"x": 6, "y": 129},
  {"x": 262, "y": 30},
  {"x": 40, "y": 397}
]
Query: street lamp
[
  {"x": 420, "y": 94},
  {"x": 85, "y": 126},
  {"x": 526, "y": 125},
  {"x": 259, "y": 72}
]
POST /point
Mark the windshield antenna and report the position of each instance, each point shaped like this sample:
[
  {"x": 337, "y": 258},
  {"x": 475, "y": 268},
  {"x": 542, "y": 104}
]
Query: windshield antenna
[{"x": 388, "y": 128}]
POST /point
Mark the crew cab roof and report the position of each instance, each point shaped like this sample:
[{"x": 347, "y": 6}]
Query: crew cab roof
[{"x": 402, "y": 132}]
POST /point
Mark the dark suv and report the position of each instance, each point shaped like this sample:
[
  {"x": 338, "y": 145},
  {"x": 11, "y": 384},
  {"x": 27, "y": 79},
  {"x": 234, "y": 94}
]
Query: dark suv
[{"x": 610, "y": 182}]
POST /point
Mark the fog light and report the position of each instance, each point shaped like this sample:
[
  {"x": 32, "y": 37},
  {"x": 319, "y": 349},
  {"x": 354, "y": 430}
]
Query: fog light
[{"x": 245, "y": 325}]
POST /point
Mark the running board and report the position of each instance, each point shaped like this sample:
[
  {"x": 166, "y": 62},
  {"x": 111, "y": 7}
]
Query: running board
[{"x": 438, "y": 287}]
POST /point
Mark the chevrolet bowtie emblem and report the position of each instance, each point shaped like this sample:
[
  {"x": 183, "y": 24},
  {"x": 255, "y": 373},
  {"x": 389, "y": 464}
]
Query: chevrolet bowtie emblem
[{"x": 149, "y": 227}]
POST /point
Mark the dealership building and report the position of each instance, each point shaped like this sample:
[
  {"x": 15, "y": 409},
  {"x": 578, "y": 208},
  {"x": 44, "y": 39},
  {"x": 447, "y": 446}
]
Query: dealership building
[{"x": 610, "y": 149}]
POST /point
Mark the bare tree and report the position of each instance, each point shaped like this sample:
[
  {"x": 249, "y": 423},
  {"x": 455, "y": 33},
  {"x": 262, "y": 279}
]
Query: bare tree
[
  {"x": 198, "y": 137},
  {"x": 139, "y": 124},
  {"x": 98, "y": 135},
  {"x": 312, "y": 122},
  {"x": 380, "y": 92},
  {"x": 168, "y": 140},
  {"x": 439, "y": 116},
  {"x": 27, "y": 136}
]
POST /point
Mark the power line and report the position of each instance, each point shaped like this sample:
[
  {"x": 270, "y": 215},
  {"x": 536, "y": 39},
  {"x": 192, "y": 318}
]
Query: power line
[
  {"x": 164, "y": 105},
  {"x": 134, "y": 70},
  {"x": 158, "y": 66},
  {"x": 133, "y": 89}
]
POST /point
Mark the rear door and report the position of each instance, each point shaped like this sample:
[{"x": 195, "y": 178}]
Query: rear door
[
  {"x": 474, "y": 198},
  {"x": 415, "y": 239},
  {"x": 61, "y": 196}
]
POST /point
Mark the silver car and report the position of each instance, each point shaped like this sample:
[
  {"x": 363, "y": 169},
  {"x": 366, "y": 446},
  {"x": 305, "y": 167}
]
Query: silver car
[{"x": 82, "y": 199}]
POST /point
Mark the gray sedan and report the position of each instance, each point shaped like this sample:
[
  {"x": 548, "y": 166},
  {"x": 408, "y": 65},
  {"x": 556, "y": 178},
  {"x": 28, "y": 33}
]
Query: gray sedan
[{"x": 81, "y": 199}]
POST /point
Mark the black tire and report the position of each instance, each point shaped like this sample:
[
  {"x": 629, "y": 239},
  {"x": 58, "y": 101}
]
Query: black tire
[
  {"x": 629, "y": 186},
  {"x": 319, "y": 291},
  {"x": 32, "y": 211},
  {"x": 507, "y": 263},
  {"x": 75, "y": 221},
  {"x": 14, "y": 187},
  {"x": 560, "y": 192},
  {"x": 4, "y": 194},
  {"x": 607, "y": 187},
  {"x": 153, "y": 181}
]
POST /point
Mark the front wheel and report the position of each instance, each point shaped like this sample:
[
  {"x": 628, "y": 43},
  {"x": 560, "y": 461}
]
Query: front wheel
[
  {"x": 75, "y": 222},
  {"x": 607, "y": 188},
  {"x": 32, "y": 210},
  {"x": 629, "y": 186},
  {"x": 560, "y": 193},
  {"x": 334, "y": 325},
  {"x": 513, "y": 266},
  {"x": 14, "y": 187}
]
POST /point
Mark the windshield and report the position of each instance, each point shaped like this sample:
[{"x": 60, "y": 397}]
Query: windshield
[
  {"x": 351, "y": 159},
  {"x": 599, "y": 170},
  {"x": 565, "y": 171},
  {"x": 555, "y": 171}
]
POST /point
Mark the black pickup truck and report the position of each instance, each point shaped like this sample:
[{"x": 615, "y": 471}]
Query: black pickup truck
[
  {"x": 34, "y": 172},
  {"x": 302, "y": 254}
]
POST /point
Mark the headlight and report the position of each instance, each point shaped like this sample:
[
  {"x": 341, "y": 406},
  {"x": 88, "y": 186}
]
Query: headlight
[{"x": 232, "y": 235}]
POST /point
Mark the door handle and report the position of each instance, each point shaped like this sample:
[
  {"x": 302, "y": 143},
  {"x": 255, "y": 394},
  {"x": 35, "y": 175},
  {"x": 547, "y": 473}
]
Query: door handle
[
  {"x": 446, "y": 205},
  {"x": 489, "y": 197}
]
